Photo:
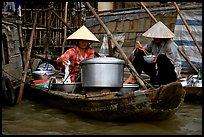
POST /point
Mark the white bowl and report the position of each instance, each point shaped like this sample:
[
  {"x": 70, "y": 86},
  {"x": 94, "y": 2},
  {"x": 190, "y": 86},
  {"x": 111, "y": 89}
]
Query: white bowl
[{"x": 149, "y": 58}]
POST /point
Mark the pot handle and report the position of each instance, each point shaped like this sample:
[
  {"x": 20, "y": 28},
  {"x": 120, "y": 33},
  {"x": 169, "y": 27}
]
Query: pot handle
[{"x": 50, "y": 81}]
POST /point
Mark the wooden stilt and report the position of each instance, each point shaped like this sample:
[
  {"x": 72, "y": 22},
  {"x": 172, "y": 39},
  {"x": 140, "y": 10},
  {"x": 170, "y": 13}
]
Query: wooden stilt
[{"x": 27, "y": 61}]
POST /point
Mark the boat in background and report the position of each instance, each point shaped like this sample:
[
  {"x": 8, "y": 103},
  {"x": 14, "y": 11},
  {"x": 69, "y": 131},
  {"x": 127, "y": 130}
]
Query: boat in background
[{"x": 193, "y": 88}]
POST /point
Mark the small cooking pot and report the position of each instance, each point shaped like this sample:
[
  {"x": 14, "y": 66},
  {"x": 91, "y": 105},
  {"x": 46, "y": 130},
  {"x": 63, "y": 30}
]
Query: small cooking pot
[
  {"x": 102, "y": 72},
  {"x": 42, "y": 74},
  {"x": 67, "y": 88},
  {"x": 129, "y": 88}
]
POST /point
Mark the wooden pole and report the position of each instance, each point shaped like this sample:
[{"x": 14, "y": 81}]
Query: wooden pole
[
  {"x": 110, "y": 49},
  {"x": 182, "y": 53},
  {"x": 187, "y": 59},
  {"x": 148, "y": 12},
  {"x": 184, "y": 21},
  {"x": 119, "y": 48},
  {"x": 62, "y": 20},
  {"x": 21, "y": 40},
  {"x": 48, "y": 36},
  {"x": 65, "y": 27},
  {"x": 27, "y": 61}
]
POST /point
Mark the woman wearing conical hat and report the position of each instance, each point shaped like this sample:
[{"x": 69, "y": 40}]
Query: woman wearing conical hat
[
  {"x": 81, "y": 50},
  {"x": 166, "y": 66}
]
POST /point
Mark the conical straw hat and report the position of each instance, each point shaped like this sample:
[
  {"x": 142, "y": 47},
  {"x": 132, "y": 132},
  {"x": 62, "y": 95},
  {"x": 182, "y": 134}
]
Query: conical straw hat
[
  {"x": 83, "y": 33},
  {"x": 159, "y": 30}
]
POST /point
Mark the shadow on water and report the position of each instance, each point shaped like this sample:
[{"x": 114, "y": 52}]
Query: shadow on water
[{"x": 32, "y": 118}]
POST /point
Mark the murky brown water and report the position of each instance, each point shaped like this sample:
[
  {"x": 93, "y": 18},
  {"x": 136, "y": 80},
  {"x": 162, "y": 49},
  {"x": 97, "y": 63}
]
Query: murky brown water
[{"x": 32, "y": 118}]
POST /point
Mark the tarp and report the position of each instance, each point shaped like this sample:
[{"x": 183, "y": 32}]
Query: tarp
[{"x": 184, "y": 40}]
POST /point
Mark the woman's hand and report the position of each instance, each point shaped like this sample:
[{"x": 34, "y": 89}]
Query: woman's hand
[
  {"x": 154, "y": 60},
  {"x": 139, "y": 46},
  {"x": 64, "y": 61}
]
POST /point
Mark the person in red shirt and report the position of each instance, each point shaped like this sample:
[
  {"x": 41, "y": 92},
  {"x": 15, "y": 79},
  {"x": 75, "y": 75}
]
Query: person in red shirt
[{"x": 81, "y": 51}]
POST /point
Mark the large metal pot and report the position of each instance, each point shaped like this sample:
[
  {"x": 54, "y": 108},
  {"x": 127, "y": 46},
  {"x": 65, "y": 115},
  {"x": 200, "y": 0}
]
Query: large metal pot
[
  {"x": 102, "y": 72},
  {"x": 42, "y": 74}
]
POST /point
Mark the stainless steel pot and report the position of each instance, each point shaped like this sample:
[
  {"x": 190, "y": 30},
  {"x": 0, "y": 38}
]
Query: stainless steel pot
[
  {"x": 42, "y": 74},
  {"x": 55, "y": 83},
  {"x": 102, "y": 72},
  {"x": 68, "y": 88}
]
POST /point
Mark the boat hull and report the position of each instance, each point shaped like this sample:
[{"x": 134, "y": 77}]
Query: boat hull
[{"x": 111, "y": 106}]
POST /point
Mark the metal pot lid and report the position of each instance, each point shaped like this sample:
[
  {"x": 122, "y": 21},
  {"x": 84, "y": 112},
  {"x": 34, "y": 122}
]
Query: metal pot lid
[
  {"x": 103, "y": 60},
  {"x": 130, "y": 85},
  {"x": 43, "y": 72}
]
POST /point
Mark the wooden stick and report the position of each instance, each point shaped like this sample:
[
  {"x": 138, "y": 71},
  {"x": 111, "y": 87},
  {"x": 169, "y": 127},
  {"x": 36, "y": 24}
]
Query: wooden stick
[
  {"x": 21, "y": 40},
  {"x": 184, "y": 21},
  {"x": 65, "y": 27},
  {"x": 148, "y": 12},
  {"x": 110, "y": 49},
  {"x": 145, "y": 51},
  {"x": 62, "y": 20},
  {"x": 119, "y": 48},
  {"x": 27, "y": 61},
  {"x": 186, "y": 58}
]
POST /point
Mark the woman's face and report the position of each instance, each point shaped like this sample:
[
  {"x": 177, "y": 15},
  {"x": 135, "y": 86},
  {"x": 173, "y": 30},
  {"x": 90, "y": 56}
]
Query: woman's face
[
  {"x": 157, "y": 40},
  {"x": 83, "y": 43}
]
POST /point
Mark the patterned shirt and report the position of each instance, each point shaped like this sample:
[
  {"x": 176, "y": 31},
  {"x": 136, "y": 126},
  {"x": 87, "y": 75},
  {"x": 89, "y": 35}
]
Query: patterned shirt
[{"x": 74, "y": 55}]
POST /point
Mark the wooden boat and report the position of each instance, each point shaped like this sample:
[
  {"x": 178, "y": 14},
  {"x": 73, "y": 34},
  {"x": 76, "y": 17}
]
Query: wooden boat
[
  {"x": 193, "y": 89},
  {"x": 109, "y": 105},
  {"x": 193, "y": 94}
]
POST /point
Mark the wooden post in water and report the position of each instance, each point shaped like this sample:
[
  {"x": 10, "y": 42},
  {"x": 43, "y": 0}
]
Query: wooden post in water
[
  {"x": 135, "y": 74},
  {"x": 27, "y": 61}
]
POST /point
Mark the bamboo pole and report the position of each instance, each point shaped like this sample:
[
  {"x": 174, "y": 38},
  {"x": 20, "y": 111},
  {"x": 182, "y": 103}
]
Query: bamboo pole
[
  {"x": 21, "y": 40},
  {"x": 48, "y": 36},
  {"x": 62, "y": 20},
  {"x": 65, "y": 27},
  {"x": 119, "y": 48},
  {"x": 148, "y": 12},
  {"x": 190, "y": 32},
  {"x": 27, "y": 61},
  {"x": 187, "y": 59},
  {"x": 182, "y": 53},
  {"x": 110, "y": 49}
]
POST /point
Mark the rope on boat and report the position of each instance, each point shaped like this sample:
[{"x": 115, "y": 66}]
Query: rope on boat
[{"x": 15, "y": 77}]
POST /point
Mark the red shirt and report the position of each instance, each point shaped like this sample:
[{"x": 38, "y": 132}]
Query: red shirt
[{"x": 75, "y": 56}]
